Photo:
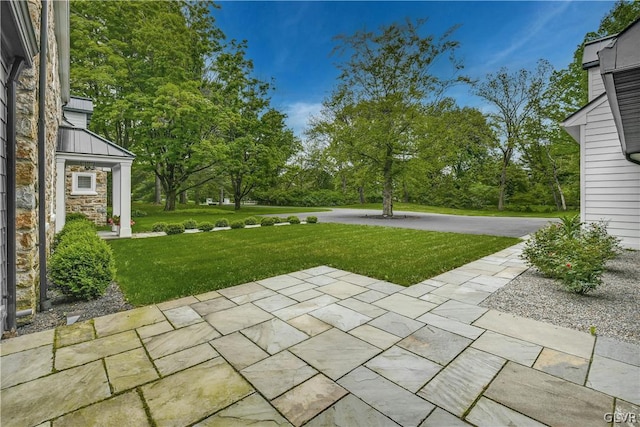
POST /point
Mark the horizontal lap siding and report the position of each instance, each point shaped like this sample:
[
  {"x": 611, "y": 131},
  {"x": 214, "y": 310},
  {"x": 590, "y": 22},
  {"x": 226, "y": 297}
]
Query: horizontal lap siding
[
  {"x": 596, "y": 85},
  {"x": 612, "y": 183}
]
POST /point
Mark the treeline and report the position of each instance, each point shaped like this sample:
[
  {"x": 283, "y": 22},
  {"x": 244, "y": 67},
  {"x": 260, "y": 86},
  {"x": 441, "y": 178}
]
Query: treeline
[{"x": 170, "y": 88}]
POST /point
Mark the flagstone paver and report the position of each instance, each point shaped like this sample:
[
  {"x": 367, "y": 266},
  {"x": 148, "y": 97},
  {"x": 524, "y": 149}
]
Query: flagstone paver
[
  {"x": 487, "y": 413},
  {"x": 182, "y": 316},
  {"x": 129, "y": 369},
  {"x": 127, "y": 320},
  {"x": 274, "y": 335},
  {"x": 400, "y": 405},
  {"x": 185, "y": 359},
  {"x": 404, "y": 368},
  {"x": 309, "y": 324},
  {"x": 16, "y": 368},
  {"x": 74, "y": 334},
  {"x": 441, "y": 418},
  {"x": 615, "y": 378},
  {"x": 435, "y": 344},
  {"x": 458, "y": 385},
  {"x": 79, "y": 354},
  {"x": 168, "y": 408},
  {"x": 341, "y": 317},
  {"x": 123, "y": 410},
  {"x": 459, "y": 311},
  {"x": 556, "y": 337},
  {"x": 48, "y": 397},
  {"x": 305, "y": 401},
  {"x": 375, "y": 336},
  {"x": 154, "y": 329},
  {"x": 171, "y": 342},
  {"x": 486, "y": 367},
  {"x": 239, "y": 350},
  {"x": 451, "y": 325},
  {"x": 510, "y": 348},
  {"x": 341, "y": 290},
  {"x": 405, "y": 305},
  {"x": 396, "y": 324},
  {"x": 26, "y": 342},
  {"x": 548, "y": 399},
  {"x": 567, "y": 366},
  {"x": 277, "y": 374},
  {"x": 351, "y": 412},
  {"x": 334, "y": 353},
  {"x": 253, "y": 410},
  {"x": 236, "y": 318}
]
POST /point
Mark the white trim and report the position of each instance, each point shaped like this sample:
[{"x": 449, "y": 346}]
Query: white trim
[
  {"x": 75, "y": 188},
  {"x": 583, "y": 186}
]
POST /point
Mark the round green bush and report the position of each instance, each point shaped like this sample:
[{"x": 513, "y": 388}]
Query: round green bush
[
  {"x": 205, "y": 226},
  {"x": 266, "y": 222},
  {"x": 82, "y": 268},
  {"x": 73, "y": 216},
  {"x": 293, "y": 219},
  {"x": 252, "y": 220},
  {"x": 159, "y": 226},
  {"x": 237, "y": 224},
  {"x": 222, "y": 222},
  {"x": 74, "y": 228},
  {"x": 190, "y": 224},
  {"x": 174, "y": 229},
  {"x": 312, "y": 219},
  {"x": 277, "y": 220}
]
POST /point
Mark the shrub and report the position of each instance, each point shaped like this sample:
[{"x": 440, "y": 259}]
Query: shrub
[
  {"x": 293, "y": 219},
  {"x": 237, "y": 224},
  {"x": 252, "y": 220},
  {"x": 137, "y": 213},
  {"x": 73, "y": 216},
  {"x": 223, "y": 222},
  {"x": 82, "y": 265},
  {"x": 174, "y": 229},
  {"x": 190, "y": 224},
  {"x": 205, "y": 226},
  {"x": 573, "y": 253},
  {"x": 266, "y": 222},
  {"x": 312, "y": 219},
  {"x": 159, "y": 226},
  {"x": 277, "y": 220}
]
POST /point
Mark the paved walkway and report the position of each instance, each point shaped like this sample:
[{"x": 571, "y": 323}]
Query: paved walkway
[
  {"x": 494, "y": 226},
  {"x": 323, "y": 347}
]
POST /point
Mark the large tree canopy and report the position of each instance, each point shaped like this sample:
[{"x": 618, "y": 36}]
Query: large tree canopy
[{"x": 383, "y": 89}]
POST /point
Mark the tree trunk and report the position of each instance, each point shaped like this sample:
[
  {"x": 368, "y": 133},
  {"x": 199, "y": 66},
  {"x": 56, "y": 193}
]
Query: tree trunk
[
  {"x": 236, "y": 203},
  {"x": 506, "y": 157},
  {"x": 157, "y": 199},
  {"x": 183, "y": 197},
  {"x": 405, "y": 192},
  {"x": 555, "y": 179},
  {"x": 387, "y": 189},
  {"x": 221, "y": 196},
  {"x": 170, "y": 202},
  {"x": 361, "y": 194}
]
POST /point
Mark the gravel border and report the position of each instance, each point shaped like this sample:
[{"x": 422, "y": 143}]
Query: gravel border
[
  {"x": 112, "y": 301},
  {"x": 613, "y": 308}
]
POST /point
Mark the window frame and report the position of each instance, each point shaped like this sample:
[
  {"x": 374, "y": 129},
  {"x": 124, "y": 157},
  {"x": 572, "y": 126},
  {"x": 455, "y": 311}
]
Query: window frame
[{"x": 77, "y": 191}]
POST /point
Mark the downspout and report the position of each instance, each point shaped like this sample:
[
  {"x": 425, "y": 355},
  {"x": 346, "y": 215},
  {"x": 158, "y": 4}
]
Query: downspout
[
  {"x": 42, "y": 166},
  {"x": 16, "y": 68}
]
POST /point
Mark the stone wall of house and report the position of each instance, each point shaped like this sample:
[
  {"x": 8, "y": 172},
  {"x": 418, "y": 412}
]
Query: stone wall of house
[
  {"x": 27, "y": 160},
  {"x": 93, "y": 206}
]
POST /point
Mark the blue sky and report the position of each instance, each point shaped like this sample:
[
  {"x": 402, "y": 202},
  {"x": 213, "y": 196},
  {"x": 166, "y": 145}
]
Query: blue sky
[{"x": 291, "y": 41}]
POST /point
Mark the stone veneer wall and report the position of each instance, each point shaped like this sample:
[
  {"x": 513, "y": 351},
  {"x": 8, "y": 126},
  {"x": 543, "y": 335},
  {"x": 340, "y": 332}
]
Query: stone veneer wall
[
  {"x": 94, "y": 207},
  {"x": 27, "y": 161}
]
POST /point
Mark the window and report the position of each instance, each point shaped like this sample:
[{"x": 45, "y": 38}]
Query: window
[{"x": 84, "y": 183}]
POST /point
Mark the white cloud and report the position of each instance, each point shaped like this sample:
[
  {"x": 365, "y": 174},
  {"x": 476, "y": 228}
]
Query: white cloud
[{"x": 299, "y": 113}]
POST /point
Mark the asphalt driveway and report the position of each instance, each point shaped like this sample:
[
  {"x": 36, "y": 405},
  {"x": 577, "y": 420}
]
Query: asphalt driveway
[{"x": 495, "y": 226}]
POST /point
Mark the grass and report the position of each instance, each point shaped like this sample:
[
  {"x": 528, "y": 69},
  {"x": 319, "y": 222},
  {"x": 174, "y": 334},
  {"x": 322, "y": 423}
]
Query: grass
[
  {"x": 162, "y": 268},
  {"x": 200, "y": 214},
  {"x": 413, "y": 207}
]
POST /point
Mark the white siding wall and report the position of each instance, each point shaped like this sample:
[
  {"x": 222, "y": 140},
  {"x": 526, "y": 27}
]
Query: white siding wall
[
  {"x": 596, "y": 84},
  {"x": 77, "y": 119},
  {"x": 611, "y": 188}
]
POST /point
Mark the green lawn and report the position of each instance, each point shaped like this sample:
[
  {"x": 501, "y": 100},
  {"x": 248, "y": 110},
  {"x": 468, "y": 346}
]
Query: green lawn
[
  {"x": 199, "y": 213},
  {"x": 413, "y": 207},
  {"x": 162, "y": 268}
]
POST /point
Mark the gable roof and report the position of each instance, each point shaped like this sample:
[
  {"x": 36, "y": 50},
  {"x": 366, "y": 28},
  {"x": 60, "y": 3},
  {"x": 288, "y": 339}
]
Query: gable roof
[
  {"x": 77, "y": 140},
  {"x": 572, "y": 123}
]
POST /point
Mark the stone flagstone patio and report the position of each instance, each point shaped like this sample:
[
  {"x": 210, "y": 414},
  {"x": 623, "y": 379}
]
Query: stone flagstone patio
[{"x": 323, "y": 347}]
